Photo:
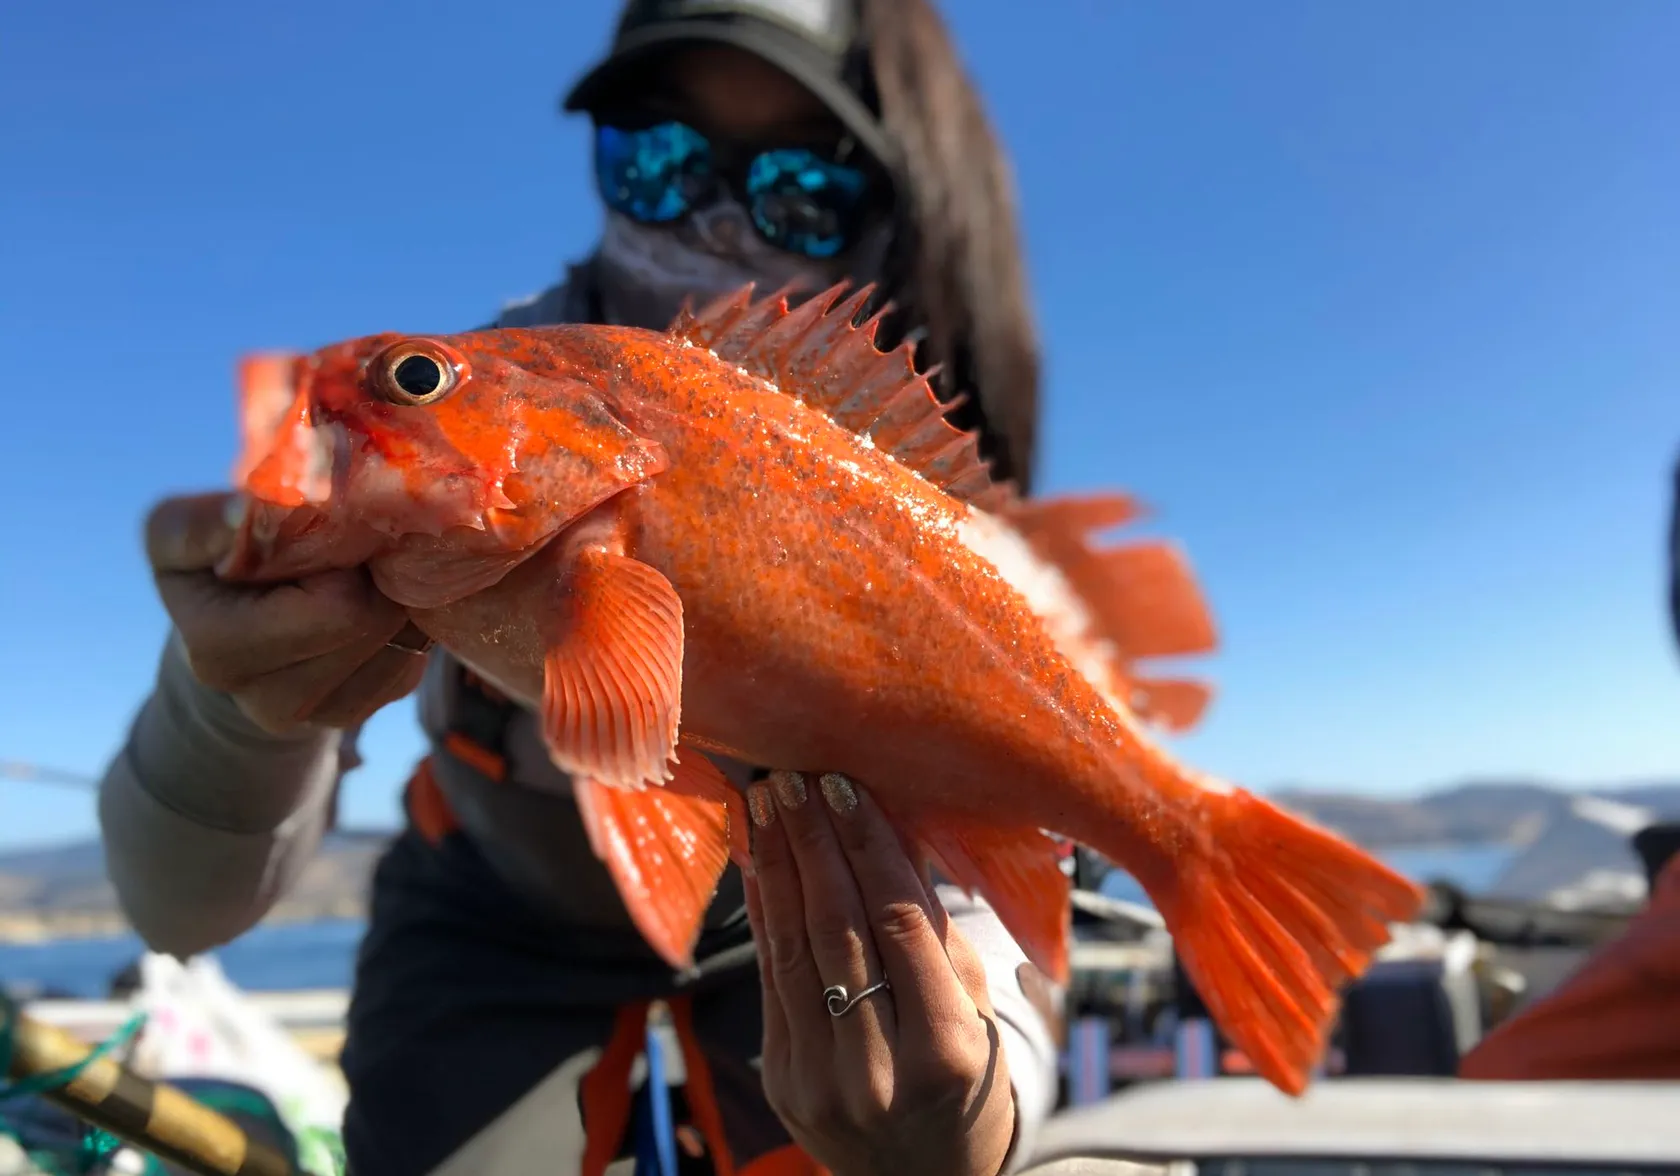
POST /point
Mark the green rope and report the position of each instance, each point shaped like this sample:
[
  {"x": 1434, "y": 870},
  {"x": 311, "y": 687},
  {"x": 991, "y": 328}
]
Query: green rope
[{"x": 97, "y": 1145}]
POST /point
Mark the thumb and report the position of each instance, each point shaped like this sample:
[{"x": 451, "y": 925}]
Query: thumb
[{"x": 191, "y": 534}]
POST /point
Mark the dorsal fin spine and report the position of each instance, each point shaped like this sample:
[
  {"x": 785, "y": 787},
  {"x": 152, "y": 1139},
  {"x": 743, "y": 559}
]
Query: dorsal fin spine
[{"x": 819, "y": 354}]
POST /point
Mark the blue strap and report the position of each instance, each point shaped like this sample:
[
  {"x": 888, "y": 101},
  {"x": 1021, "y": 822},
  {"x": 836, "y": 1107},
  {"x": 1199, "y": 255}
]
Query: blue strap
[{"x": 656, "y": 1141}]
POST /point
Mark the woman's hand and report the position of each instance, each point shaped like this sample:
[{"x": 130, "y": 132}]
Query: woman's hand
[
  {"x": 312, "y": 651},
  {"x": 912, "y": 1079}
]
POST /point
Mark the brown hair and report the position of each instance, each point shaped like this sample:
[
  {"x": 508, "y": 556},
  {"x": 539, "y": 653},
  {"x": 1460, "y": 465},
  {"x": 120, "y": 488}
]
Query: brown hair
[{"x": 957, "y": 271}]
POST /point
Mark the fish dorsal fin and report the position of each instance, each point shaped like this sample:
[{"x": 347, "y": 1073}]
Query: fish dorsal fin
[
  {"x": 1140, "y": 600},
  {"x": 817, "y": 354}
]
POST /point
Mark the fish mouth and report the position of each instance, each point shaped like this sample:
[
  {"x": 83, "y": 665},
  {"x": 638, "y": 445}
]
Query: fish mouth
[
  {"x": 288, "y": 457},
  {"x": 274, "y": 543},
  {"x": 300, "y": 466},
  {"x": 287, "y": 472}
]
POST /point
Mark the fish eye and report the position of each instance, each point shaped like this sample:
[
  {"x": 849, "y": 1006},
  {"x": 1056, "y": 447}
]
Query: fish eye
[{"x": 417, "y": 373}]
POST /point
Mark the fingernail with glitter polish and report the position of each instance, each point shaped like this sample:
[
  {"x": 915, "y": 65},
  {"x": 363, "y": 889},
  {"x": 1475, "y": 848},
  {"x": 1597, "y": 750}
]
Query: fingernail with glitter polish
[
  {"x": 839, "y": 793},
  {"x": 790, "y": 788},
  {"x": 763, "y": 810}
]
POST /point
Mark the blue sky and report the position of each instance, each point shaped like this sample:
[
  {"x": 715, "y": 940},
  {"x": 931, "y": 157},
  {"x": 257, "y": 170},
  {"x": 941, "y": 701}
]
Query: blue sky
[{"x": 1376, "y": 303}]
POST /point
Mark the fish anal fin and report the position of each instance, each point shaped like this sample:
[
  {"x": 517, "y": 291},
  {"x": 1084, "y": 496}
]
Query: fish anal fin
[
  {"x": 1270, "y": 917},
  {"x": 666, "y": 851},
  {"x": 612, "y": 674},
  {"x": 1018, "y": 872},
  {"x": 1174, "y": 704},
  {"x": 817, "y": 354}
]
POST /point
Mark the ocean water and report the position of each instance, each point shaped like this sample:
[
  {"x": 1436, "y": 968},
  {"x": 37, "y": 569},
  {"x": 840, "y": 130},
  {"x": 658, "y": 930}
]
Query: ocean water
[
  {"x": 322, "y": 954},
  {"x": 286, "y": 956},
  {"x": 1472, "y": 868}
]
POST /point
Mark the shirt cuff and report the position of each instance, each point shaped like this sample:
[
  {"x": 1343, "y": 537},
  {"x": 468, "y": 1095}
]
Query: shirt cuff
[
  {"x": 1025, "y": 1037},
  {"x": 196, "y": 753}
]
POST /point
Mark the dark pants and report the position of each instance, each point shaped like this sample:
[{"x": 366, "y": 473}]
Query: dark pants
[{"x": 465, "y": 998}]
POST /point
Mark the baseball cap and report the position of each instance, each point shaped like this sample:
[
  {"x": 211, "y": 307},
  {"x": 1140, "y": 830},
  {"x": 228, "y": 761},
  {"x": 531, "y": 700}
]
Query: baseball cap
[{"x": 818, "y": 43}]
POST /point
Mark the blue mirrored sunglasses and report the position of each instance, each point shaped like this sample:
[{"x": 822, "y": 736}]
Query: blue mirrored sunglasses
[{"x": 799, "y": 200}]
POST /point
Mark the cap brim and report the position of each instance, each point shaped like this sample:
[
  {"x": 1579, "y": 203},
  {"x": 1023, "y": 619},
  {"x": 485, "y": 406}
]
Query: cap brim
[{"x": 762, "y": 41}]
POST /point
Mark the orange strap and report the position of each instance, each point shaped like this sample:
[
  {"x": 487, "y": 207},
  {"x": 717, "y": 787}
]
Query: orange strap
[
  {"x": 474, "y": 756},
  {"x": 484, "y": 711},
  {"x": 785, "y": 1161},
  {"x": 697, "y": 1083},
  {"x": 427, "y": 808},
  {"x": 605, "y": 1090},
  {"x": 606, "y": 1100}
]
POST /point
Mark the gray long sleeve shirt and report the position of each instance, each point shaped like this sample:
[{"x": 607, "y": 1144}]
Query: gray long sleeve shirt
[{"x": 208, "y": 820}]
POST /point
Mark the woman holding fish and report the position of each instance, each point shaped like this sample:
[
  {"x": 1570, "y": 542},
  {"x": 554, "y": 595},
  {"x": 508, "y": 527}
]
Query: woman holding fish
[{"x": 503, "y": 983}]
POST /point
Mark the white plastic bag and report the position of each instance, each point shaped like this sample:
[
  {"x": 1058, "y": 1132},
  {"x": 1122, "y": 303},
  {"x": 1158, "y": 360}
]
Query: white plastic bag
[{"x": 198, "y": 1025}]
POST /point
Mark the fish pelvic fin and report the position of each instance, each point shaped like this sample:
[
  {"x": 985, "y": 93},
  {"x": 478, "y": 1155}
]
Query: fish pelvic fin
[
  {"x": 1019, "y": 875},
  {"x": 666, "y": 849},
  {"x": 1141, "y": 601},
  {"x": 818, "y": 354},
  {"x": 1271, "y": 916}
]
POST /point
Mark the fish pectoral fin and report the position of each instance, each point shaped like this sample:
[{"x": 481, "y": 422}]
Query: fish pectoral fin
[
  {"x": 666, "y": 850},
  {"x": 1018, "y": 872},
  {"x": 612, "y": 676}
]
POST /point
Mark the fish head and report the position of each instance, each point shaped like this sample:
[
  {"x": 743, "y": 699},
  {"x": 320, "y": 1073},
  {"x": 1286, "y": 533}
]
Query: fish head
[{"x": 484, "y": 440}]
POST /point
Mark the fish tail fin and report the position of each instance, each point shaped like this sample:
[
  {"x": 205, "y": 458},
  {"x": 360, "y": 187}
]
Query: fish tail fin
[
  {"x": 1270, "y": 919},
  {"x": 1131, "y": 603}
]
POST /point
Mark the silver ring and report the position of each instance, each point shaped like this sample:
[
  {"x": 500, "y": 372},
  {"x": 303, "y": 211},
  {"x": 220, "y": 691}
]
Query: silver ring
[{"x": 840, "y": 1002}]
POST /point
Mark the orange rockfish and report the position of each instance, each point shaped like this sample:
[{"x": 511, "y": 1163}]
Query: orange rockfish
[{"x": 757, "y": 535}]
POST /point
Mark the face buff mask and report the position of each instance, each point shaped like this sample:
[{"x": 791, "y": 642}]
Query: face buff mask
[{"x": 646, "y": 271}]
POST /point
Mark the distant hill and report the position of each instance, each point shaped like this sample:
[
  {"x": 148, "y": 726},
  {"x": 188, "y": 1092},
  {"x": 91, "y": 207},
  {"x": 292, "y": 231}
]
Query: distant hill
[
  {"x": 63, "y": 889},
  {"x": 1479, "y": 813},
  {"x": 1572, "y": 846}
]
